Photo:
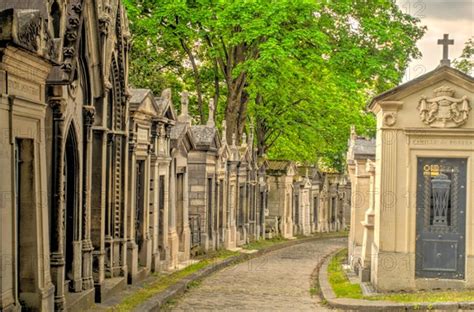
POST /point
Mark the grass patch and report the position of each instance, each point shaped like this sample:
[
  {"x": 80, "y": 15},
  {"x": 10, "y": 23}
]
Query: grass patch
[
  {"x": 344, "y": 289},
  {"x": 264, "y": 243},
  {"x": 164, "y": 281},
  {"x": 338, "y": 279},
  {"x": 427, "y": 296}
]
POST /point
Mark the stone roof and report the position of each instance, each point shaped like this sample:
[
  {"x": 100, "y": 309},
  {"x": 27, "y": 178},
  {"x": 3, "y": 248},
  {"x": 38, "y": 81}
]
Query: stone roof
[
  {"x": 177, "y": 131},
  {"x": 138, "y": 95},
  {"x": 161, "y": 105},
  {"x": 278, "y": 165},
  {"x": 363, "y": 146},
  {"x": 203, "y": 135}
]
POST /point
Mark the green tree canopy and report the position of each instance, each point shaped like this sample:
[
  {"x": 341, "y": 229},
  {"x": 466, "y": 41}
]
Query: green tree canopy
[
  {"x": 302, "y": 70},
  {"x": 465, "y": 62}
]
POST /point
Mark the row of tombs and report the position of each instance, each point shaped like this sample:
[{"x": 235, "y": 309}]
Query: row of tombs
[{"x": 102, "y": 184}]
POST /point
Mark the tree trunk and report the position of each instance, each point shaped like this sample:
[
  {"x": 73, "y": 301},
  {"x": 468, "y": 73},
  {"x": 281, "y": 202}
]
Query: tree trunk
[
  {"x": 260, "y": 130},
  {"x": 232, "y": 116},
  {"x": 197, "y": 79},
  {"x": 236, "y": 108}
]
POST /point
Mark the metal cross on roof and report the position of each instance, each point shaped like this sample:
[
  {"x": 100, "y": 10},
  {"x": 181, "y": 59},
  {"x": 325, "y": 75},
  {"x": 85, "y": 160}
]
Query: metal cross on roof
[{"x": 446, "y": 42}]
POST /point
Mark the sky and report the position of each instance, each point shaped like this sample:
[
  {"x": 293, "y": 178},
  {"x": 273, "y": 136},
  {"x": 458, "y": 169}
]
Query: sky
[{"x": 453, "y": 17}]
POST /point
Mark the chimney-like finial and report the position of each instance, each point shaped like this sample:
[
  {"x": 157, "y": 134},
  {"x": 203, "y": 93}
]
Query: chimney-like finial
[
  {"x": 353, "y": 132},
  {"x": 184, "y": 115},
  {"x": 224, "y": 131},
  {"x": 251, "y": 130},
  {"x": 233, "y": 139},
  {"x": 212, "y": 110}
]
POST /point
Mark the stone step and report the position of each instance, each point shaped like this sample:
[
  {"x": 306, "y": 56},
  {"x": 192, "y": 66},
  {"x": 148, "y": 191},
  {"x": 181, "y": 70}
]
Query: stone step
[
  {"x": 109, "y": 288},
  {"x": 80, "y": 301}
]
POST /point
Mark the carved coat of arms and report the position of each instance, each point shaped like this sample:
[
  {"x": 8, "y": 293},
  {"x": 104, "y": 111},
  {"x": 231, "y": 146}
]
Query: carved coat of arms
[{"x": 444, "y": 110}]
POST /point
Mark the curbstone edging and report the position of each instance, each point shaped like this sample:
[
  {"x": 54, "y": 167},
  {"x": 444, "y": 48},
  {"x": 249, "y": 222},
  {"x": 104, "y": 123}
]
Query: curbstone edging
[
  {"x": 328, "y": 295},
  {"x": 179, "y": 288}
]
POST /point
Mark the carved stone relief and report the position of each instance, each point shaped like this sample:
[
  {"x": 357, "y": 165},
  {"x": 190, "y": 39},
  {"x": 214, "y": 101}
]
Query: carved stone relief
[{"x": 444, "y": 110}]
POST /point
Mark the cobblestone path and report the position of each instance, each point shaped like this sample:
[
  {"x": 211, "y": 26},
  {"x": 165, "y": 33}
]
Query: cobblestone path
[{"x": 278, "y": 281}]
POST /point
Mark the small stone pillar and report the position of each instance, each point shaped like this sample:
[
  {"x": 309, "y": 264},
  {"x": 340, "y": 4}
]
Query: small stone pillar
[{"x": 368, "y": 223}]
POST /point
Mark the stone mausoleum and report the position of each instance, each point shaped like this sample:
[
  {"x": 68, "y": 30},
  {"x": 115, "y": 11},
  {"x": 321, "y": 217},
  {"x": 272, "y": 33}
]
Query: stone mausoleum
[{"x": 424, "y": 173}]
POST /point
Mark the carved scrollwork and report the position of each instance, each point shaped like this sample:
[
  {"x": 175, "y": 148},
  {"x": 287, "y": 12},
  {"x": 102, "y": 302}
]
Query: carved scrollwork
[
  {"x": 67, "y": 67},
  {"x": 77, "y": 7},
  {"x": 58, "y": 105},
  {"x": 71, "y": 35},
  {"x": 89, "y": 115},
  {"x": 104, "y": 22},
  {"x": 74, "y": 22},
  {"x": 49, "y": 47},
  {"x": 444, "y": 110},
  {"x": 29, "y": 30},
  {"x": 68, "y": 51},
  {"x": 389, "y": 119}
]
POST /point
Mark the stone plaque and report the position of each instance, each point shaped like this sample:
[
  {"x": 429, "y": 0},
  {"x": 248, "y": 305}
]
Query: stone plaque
[
  {"x": 440, "y": 218},
  {"x": 24, "y": 89},
  {"x": 142, "y": 135}
]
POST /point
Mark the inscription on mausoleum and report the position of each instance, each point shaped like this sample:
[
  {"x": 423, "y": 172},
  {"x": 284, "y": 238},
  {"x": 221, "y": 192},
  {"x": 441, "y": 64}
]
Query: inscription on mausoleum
[
  {"x": 441, "y": 142},
  {"x": 24, "y": 89}
]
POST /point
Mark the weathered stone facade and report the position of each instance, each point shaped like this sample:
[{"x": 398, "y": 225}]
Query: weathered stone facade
[
  {"x": 361, "y": 150},
  {"x": 417, "y": 192},
  {"x": 302, "y": 203},
  {"x": 180, "y": 237},
  {"x": 303, "y": 200},
  {"x": 103, "y": 184},
  {"x": 24, "y": 212},
  {"x": 280, "y": 197}
]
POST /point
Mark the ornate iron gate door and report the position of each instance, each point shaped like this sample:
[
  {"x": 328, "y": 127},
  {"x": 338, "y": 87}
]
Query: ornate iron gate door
[{"x": 441, "y": 218}]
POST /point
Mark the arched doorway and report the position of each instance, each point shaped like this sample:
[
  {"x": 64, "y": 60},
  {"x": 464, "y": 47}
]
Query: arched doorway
[{"x": 71, "y": 213}]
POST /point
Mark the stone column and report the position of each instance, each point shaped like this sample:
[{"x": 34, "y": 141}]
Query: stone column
[
  {"x": 359, "y": 204},
  {"x": 186, "y": 236},
  {"x": 109, "y": 258},
  {"x": 87, "y": 248},
  {"x": 172, "y": 234},
  {"x": 146, "y": 253},
  {"x": 99, "y": 213},
  {"x": 132, "y": 247},
  {"x": 166, "y": 212},
  {"x": 289, "y": 206},
  {"x": 123, "y": 241},
  {"x": 57, "y": 220},
  {"x": 154, "y": 208},
  {"x": 386, "y": 189},
  {"x": 368, "y": 224}
]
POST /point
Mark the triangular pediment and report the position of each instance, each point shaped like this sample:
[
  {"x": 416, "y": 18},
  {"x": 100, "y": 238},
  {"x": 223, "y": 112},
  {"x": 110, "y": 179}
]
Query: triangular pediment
[
  {"x": 291, "y": 169},
  {"x": 224, "y": 152},
  {"x": 166, "y": 108},
  {"x": 142, "y": 101},
  {"x": 442, "y": 73},
  {"x": 148, "y": 106}
]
